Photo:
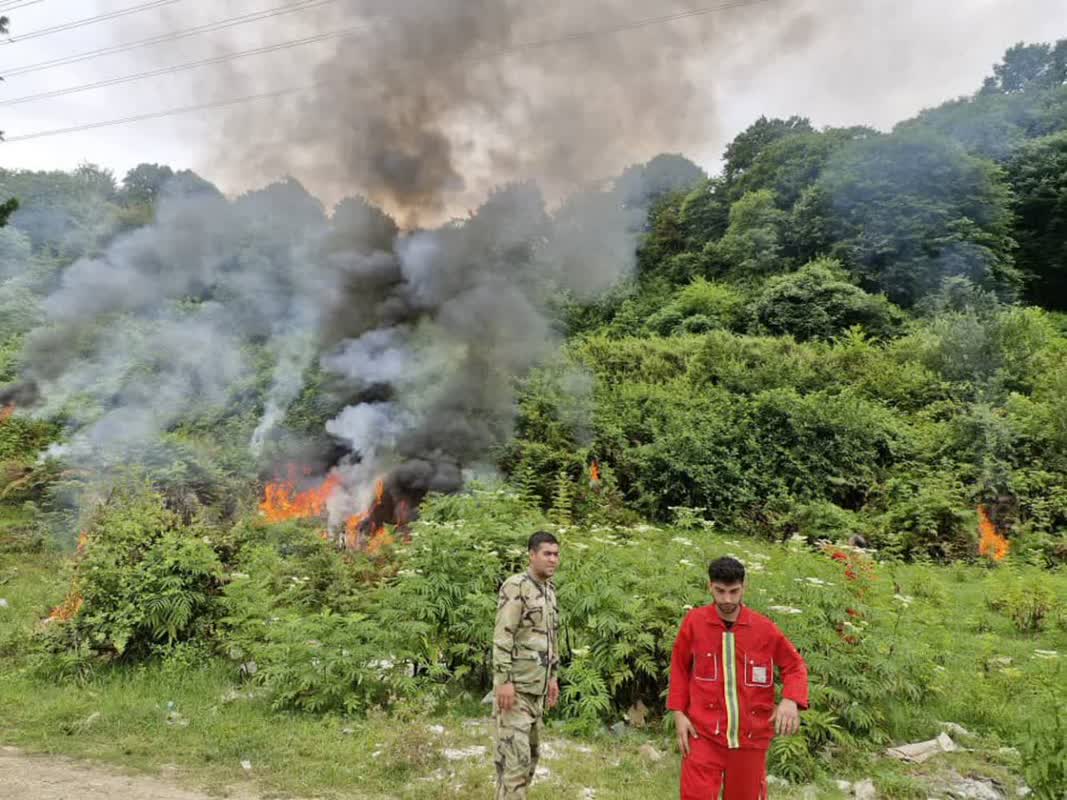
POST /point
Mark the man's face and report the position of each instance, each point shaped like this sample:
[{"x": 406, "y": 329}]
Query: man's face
[
  {"x": 727, "y": 596},
  {"x": 544, "y": 561}
]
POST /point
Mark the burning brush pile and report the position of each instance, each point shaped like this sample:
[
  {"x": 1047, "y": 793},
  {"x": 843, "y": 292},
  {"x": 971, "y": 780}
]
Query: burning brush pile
[
  {"x": 283, "y": 500},
  {"x": 419, "y": 335}
]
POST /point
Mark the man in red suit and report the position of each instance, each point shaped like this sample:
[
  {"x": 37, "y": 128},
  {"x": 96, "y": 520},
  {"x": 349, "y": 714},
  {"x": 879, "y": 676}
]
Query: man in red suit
[{"x": 722, "y": 691}]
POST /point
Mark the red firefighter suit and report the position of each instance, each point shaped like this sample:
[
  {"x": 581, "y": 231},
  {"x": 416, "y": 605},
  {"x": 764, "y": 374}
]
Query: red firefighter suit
[{"x": 724, "y": 682}]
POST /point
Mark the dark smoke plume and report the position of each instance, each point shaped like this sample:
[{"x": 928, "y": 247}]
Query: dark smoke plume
[{"x": 437, "y": 102}]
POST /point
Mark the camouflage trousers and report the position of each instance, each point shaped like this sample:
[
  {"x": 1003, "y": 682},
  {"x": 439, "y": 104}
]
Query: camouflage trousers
[{"x": 518, "y": 741}]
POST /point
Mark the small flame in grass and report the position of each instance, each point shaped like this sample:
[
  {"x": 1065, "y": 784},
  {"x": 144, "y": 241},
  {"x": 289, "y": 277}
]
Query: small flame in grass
[
  {"x": 991, "y": 543},
  {"x": 6, "y": 412},
  {"x": 68, "y": 609},
  {"x": 594, "y": 471}
]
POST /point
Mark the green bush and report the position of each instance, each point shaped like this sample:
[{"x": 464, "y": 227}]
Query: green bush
[
  {"x": 142, "y": 581},
  {"x": 1044, "y": 746},
  {"x": 818, "y": 302}
]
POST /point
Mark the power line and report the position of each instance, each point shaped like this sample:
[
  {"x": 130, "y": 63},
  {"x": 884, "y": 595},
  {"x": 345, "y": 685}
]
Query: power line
[
  {"x": 209, "y": 27},
  {"x": 68, "y": 26},
  {"x": 18, "y": 4},
  {"x": 519, "y": 47},
  {"x": 204, "y": 62}
]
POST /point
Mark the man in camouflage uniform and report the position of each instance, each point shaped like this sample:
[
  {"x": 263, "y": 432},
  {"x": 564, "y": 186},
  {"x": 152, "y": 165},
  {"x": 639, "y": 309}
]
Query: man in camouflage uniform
[{"x": 525, "y": 663}]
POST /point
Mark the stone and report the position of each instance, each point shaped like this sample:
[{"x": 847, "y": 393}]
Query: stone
[
  {"x": 650, "y": 752},
  {"x": 918, "y": 752},
  {"x": 864, "y": 790},
  {"x": 956, "y": 729},
  {"x": 463, "y": 753}
]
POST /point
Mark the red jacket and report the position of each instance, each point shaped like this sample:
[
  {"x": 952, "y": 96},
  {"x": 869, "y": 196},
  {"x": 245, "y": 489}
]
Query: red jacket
[{"x": 725, "y": 683}]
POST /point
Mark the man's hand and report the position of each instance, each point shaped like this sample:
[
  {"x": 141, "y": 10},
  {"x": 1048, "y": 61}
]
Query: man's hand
[
  {"x": 505, "y": 696},
  {"x": 553, "y": 693},
  {"x": 684, "y": 729},
  {"x": 786, "y": 718}
]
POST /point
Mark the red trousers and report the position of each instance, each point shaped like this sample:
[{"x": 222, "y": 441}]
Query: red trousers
[{"x": 709, "y": 767}]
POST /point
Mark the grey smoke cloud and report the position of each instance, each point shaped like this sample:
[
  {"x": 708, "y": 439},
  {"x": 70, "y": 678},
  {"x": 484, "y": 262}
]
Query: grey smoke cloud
[{"x": 439, "y": 101}]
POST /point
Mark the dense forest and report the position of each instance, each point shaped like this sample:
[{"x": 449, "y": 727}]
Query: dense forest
[{"x": 847, "y": 335}]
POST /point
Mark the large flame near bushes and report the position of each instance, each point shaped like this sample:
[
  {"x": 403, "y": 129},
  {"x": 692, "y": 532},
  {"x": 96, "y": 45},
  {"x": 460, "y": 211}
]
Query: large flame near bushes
[
  {"x": 991, "y": 543},
  {"x": 282, "y": 501}
]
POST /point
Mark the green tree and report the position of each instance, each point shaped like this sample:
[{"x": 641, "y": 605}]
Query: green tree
[
  {"x": 752, "y": 245},
  {"x": 743, "y": 151},
  {"x": 818, "y": 302},
  {"x": 1027, "y": 66},
  {"x": 642, "y": 184},
  {"x": 904, "y": 211},
  {"x": 1038, "y": 176},
  {"x": 793, "y": 162},
  {"x": 145, "y": 183}
]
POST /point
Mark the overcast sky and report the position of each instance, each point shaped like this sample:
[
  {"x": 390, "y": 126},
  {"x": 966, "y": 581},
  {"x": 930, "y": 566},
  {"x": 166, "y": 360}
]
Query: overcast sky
[{"x": 870, "y": 62}]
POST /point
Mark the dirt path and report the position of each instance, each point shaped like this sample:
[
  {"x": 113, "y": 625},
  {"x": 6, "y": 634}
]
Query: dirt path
[{"x": 26, "y": 777}]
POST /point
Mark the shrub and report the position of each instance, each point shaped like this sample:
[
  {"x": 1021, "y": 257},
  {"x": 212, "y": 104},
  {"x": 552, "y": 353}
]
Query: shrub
[
  {"x": 142, "y": 580},
  {"x": 818, "y": 302},
  {"x": 1044, "y": 747}
]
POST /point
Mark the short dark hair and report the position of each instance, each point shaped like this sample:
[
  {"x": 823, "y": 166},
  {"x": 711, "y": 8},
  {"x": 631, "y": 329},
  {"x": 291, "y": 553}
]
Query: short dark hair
[
  {"x": 726, "y": 570},
  {"x": 539, "y": 538}
]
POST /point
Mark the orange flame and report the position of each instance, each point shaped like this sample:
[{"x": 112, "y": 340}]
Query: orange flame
[
  {"x": 281, "y": 501},
  {"x": 356, "y": 525},
  {"x": 991, "y": 544},
  {"x": 6, "y": 412},
  {"x": 352, "y": 526},
  {"x": 381, "y": 539},
  {"x": 68, "y": 609},
  {"x": 594, "y": 471}
]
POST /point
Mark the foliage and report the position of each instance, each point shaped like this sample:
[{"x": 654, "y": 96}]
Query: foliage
[
  {"x": 817, "y": 302},
  {"x": 1038, "y": 175},
  {"x": 142, "y": 580},
  {"x": 908, "y": 209},
  {"x": 1044, "y": 748}
]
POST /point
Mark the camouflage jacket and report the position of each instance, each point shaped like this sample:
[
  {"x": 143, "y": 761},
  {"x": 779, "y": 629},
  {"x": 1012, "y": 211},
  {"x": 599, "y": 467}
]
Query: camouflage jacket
[{"x": 524, "y": 640}]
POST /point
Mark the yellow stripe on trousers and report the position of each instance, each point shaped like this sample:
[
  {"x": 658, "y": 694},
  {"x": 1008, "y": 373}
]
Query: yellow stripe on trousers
[{"x": 733, "y": 702}]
